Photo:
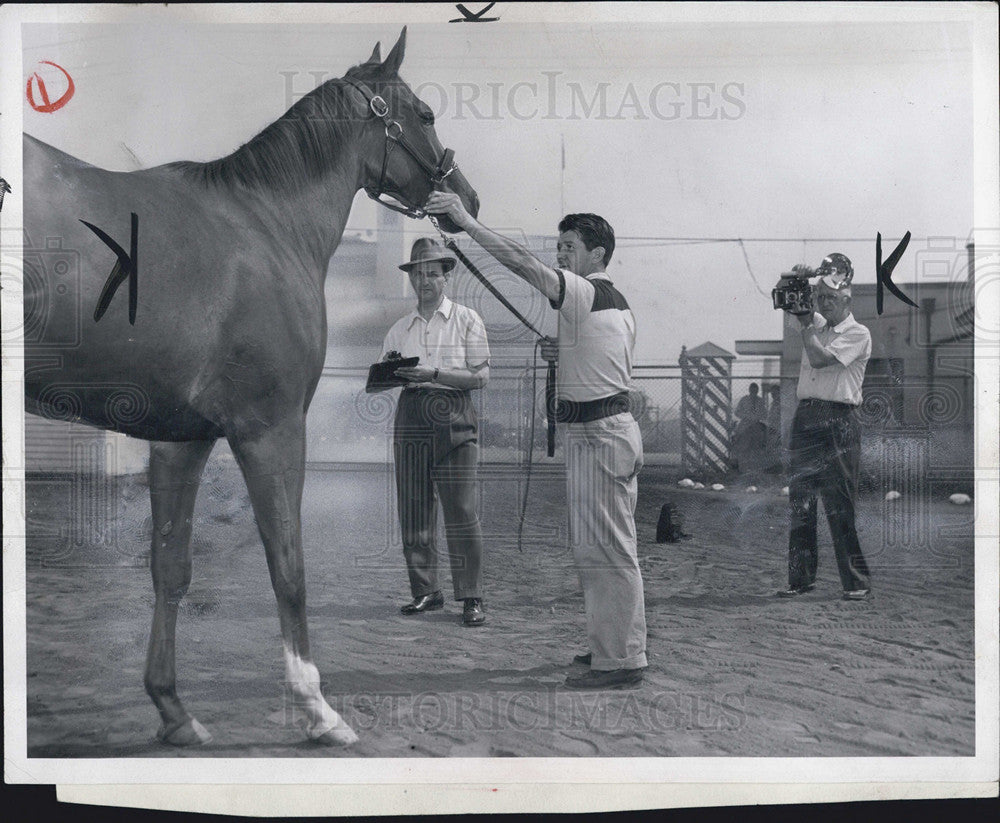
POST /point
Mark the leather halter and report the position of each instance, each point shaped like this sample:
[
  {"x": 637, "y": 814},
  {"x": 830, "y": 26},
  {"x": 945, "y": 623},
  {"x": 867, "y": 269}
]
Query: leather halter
[{"x": 394, "y": 136}]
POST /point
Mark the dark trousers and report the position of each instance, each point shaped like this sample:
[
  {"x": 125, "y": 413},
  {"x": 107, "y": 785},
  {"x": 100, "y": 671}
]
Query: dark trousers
[
  {"x": 436, "y": 456},
  {"x": 825, "y": 454}
]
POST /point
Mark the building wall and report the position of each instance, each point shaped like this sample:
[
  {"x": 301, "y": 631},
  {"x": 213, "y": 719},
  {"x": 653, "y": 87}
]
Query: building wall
[{"x": 927, "y": 373}]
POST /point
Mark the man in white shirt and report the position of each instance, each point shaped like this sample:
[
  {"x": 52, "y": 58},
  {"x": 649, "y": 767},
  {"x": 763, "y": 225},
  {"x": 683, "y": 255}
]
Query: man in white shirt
[
  {"x": 825, "y": 446},
  {"x": 603, "y": 445},
  {"x": 436, "y": 433}
]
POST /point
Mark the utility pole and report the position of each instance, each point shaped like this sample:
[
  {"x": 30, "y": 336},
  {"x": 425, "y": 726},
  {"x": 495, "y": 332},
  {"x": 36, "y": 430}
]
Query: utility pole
[{"x": 562, "y": 176}]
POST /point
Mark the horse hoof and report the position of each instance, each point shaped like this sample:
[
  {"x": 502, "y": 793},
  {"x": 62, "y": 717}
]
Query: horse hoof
[
  {"x": 342, "y": 735},
  {"x": 188, "y": 732}
]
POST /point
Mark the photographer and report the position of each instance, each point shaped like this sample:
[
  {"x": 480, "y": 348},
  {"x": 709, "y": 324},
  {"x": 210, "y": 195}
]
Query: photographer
[{"x": 826, "y": 439}]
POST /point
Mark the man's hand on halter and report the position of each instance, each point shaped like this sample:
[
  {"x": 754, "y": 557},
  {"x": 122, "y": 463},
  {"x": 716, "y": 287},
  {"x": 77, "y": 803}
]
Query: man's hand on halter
[
  {"x": 509, "y": 252},
  {"x": 450, "y": 204}
]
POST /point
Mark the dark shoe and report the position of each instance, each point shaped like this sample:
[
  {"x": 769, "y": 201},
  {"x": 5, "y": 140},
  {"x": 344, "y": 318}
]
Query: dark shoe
[
  {"x": 857, "y": 594},
  {"x": 472, "y": 614},
  {"x": 795, "y": 591},
  {"x": 617, "y": 679},
  {"x": 583, "y": 658},
  {"x": 425, "y": 603}
]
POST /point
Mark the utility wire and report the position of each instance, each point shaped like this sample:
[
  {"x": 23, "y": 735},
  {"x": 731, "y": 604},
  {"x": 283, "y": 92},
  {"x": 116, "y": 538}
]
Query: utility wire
[
  {"x": 749, "y": 269},
  {"x": 655, "y": 239},
  {"x": 761, "y": 239}
]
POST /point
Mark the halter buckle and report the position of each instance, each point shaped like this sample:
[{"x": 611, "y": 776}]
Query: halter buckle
[
  {"x": 378, "y": 106},
  {"x": 445, "y": 167}
]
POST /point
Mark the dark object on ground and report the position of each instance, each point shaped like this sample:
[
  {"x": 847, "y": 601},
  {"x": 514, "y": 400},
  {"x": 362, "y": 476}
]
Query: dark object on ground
[{"x": 670, "y": 527}]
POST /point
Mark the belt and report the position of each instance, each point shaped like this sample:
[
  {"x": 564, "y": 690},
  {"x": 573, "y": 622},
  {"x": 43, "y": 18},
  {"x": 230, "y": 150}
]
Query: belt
[
  {"x": 572, "y": 411},
  {"x": 434, "y": 390},
  {"x": 830, "y": 404}
]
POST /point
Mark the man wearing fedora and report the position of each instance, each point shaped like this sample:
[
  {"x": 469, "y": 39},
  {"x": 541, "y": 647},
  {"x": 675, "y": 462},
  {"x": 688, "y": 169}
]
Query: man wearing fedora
[{"x": 436, "y": 434}]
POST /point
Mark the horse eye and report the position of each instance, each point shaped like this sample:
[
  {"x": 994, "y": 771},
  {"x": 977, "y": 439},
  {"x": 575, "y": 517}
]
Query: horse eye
[{"x": 426, "y": 117}]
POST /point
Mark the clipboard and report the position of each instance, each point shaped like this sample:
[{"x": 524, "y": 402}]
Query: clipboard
[{"x": 382, "y": 375}]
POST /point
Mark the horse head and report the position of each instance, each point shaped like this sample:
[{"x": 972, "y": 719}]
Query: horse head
[{"x": 404, "y": 160}]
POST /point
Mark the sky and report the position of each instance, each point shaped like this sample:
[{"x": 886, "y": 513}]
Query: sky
[{"x": 799, "y": 138}]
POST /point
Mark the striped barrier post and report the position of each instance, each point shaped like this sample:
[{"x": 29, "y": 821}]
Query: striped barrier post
[{"x": 706, "y": 409}]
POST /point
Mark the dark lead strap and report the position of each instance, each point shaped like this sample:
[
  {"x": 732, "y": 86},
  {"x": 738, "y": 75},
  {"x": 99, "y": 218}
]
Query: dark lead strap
[
  {"x": 490, "y": 287},
  {"x": 550, "y": 374},
  {"x": 550, "y": 408}
]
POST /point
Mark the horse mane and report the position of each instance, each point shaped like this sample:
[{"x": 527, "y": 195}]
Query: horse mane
[{"x": 296, "y": 149}]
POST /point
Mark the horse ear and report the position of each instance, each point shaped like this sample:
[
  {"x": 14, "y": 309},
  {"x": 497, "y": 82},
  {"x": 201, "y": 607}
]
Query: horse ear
[
  {"x": 395, "y": 58},
  {"x": 376, "y": 54}
]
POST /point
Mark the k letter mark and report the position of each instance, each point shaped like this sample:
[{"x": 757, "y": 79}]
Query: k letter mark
[
  {"x": 469, "y": 17},
  {"x": 883, "y": 271},
  {"x": 127, "y": 266}
]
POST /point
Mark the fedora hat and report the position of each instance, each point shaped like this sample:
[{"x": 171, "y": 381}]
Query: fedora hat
[{"x": 428, "y": 250}]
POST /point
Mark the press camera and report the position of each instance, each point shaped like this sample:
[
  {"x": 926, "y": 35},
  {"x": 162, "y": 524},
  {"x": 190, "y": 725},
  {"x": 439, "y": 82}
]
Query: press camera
[{"x": 793, "y": 292}]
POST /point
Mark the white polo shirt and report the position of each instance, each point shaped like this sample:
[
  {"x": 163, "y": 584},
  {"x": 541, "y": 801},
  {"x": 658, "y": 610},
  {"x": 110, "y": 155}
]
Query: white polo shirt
[
  {"x": 851, "y": 344},
  {"x": 596, "y": 338},
  {"x": 454, "y": 338}
]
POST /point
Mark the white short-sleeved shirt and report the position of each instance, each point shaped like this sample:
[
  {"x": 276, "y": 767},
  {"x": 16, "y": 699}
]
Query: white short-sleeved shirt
[
  {"x": 596, "y": 337},
  {"x": 851, "y": 344},
  {"x": 454, "y": 338}
]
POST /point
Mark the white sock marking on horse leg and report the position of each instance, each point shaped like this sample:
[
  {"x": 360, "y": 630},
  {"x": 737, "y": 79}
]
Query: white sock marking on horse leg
[{"x": 303, "y": 678}]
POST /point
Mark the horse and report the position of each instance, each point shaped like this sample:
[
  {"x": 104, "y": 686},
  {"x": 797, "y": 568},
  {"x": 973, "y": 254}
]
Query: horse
[{"x": 224, "y": 330}]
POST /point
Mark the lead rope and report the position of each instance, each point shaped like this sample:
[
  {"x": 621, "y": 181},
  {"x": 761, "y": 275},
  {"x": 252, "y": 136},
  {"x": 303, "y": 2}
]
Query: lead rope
[
  {"x": 550, "y": 377},
  {"x": 531, "y": 444}
]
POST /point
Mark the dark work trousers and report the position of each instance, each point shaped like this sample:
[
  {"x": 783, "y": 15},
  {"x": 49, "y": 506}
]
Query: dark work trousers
[
  {"x": 825, "y": 453},
  {"x": 436, "y": 454}
]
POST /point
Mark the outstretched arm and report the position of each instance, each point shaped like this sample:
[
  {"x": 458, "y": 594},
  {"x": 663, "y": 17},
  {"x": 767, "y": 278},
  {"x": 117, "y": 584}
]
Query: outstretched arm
[{"x": 510, "y": 253}]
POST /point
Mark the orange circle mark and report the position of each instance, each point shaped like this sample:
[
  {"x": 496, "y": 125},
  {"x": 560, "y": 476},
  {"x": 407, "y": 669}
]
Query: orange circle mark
[{"x": 46, "y": 105}]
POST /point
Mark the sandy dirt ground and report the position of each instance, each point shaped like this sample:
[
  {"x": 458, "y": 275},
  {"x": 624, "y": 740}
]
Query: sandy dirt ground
[{"x": 733, "y": 670}]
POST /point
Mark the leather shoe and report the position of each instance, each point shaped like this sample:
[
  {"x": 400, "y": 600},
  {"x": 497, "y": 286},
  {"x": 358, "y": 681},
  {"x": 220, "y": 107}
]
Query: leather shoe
[
  {"x": 425, "y": 603},
  {"x": 583, "y": 658},
  {"x": 617, "y": 679},
  {"x": 472, "y": 613},
  {"x": 795, "y": 591}
]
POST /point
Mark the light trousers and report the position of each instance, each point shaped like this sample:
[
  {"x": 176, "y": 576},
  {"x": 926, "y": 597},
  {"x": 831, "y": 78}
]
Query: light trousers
[{"x": 603, "y": 459}]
